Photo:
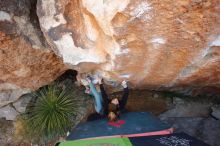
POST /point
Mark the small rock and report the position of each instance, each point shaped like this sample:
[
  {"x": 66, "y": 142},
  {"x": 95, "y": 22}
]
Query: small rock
[
  {"x": 216, "y": 111},
  {"x": 22, "y": 103},
  {"x": 8, "y": 112},
  {"x": 11, "y": 95},
  {"x": 177, "y": 100},
  {"x": 155, "y": 95}
]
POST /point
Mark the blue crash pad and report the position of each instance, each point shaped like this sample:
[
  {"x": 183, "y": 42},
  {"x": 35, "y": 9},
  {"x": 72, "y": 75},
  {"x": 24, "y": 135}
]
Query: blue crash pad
[{"x": 135, "y": 123}]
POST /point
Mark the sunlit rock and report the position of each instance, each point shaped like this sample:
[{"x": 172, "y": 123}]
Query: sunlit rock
[{"x": 153, "y": 44}]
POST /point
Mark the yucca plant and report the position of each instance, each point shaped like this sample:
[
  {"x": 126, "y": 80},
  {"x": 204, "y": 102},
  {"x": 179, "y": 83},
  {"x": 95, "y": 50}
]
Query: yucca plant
[{"x": 52, "y": 113}]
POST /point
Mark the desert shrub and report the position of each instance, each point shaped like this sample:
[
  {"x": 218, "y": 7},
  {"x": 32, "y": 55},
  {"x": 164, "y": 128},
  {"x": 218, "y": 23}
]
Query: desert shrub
[{"x": 52, "y": 113}]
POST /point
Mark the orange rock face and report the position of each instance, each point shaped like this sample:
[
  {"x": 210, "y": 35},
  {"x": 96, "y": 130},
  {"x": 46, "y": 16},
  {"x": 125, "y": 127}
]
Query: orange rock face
[
  {"x": 26, "y": 67},
  {"x": 154, "y": 44}
]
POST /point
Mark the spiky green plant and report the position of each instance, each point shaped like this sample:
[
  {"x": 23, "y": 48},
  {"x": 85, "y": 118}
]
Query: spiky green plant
[{"x": 52, "y": 113}]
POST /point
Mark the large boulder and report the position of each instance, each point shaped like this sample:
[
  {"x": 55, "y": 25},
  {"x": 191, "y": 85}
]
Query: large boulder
[
  {"x": 182, "y": 108},
  {"x": 153, "y": 44},
  {"x": 26, "y": 60}
]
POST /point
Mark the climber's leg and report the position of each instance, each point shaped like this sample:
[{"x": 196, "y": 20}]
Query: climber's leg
[{"x": 97, "y": 97}]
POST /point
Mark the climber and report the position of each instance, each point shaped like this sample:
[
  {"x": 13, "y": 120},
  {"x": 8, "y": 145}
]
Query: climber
[
  {"x": 115, "y": 106},
  {"x": 105, "y": 106},
  {"x": 94, "y": 90}
]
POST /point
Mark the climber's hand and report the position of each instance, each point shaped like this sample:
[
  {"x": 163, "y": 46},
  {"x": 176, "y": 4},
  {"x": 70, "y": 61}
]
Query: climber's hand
[
  {"x": 84, "y": 82},
  {"x": 124, "y": 84},
  {"x": 100, "y": 80},
  {"x": 88, "y": 80},
  {"x": 87, "y": 91}
]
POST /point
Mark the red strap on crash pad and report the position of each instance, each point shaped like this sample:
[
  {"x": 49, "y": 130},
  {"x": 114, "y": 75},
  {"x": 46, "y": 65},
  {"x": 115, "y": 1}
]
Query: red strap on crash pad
[{"x": 117, "y": 123}]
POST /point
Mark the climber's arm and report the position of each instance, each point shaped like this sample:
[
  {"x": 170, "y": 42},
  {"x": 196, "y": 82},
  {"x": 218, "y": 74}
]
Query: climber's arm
[
  {"x": 124, "y": 99},
  {"x": 104, "y": 96}
]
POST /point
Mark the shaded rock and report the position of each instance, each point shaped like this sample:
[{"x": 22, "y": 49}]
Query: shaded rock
[
  {"x": 6, "y": 132},
  {"x": 8, "y": 112},
  {"x": 142, "y": 100},
  {"x": 178, "y": 101},
  {"x": 22, "y": 103},
  {"x": 10, "y": 93},
  {"x": 205, "y": 129},
  {"x": 216, "y": 111},
  {"x": 155, "y": 95},
  {"x": 183, "y": 108}
]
